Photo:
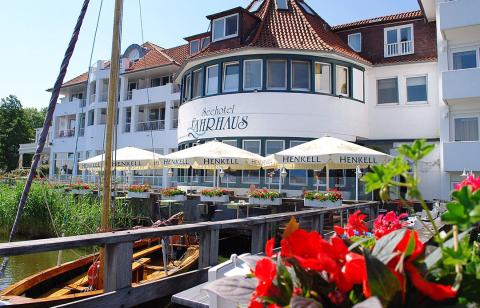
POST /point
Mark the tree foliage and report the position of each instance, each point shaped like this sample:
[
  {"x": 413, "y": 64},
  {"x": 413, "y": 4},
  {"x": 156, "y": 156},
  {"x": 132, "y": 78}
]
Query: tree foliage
[{"x": 17, "y": 126}]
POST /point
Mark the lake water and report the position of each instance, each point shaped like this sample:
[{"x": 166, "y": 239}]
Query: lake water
[{"x": 23, "y": 266}]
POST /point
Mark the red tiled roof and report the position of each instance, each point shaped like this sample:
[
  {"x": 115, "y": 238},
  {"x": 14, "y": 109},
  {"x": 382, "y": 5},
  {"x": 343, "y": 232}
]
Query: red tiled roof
[
  {"x": 77, "y": 80},
  {"x": 379, "y": 20},
  {"x": 179, "y": 53},
  {"x": 292, "y": 29}
]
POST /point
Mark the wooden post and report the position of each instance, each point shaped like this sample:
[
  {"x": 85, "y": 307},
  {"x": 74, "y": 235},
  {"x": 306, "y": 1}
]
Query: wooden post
[
  {"x": 111, "y": 109},
  {"x": 208, "y": 248},
  {"x": 259, "y": 237},
  {"x": 317, "y": 223},
  {"x": 118, "y": 266}
]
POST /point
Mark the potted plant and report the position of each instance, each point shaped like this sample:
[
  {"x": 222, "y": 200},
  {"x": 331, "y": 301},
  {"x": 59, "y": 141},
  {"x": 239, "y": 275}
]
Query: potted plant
[
  {"x": 322, "y": 199},
  {"x": 265, "y": 197},
  {"x": 215, "y": 195},
  {"x": 139, "y": 191},
  {"x": 58, "y": 187},
  {"x": 174, "y": 193},
  {"x": 80, "y": 188}
]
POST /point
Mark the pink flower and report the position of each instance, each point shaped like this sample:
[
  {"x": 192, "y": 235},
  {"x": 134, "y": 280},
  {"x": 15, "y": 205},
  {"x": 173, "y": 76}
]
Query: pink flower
[
  {"x": 470, "y": 181},
  {"x": 387, "y": 223}
]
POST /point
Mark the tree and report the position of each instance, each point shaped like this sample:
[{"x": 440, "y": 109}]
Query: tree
[{"x": 14, "y": 130}]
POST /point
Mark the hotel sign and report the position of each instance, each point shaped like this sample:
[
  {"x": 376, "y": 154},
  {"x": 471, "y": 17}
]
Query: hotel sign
[{"x": 217, "y": 118}]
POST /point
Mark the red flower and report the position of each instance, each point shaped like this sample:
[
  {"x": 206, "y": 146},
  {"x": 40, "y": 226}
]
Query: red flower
[
  {"x": 470, "y": 181},
  {"x": 265, "y": 272},
  {"x": 435, "y": 291},
  {"x": 355, "y": 226},
  {"x": 269, "y": 247},
  {"x": 310, "y": 250},
  {"x": 387, "y": 223}
]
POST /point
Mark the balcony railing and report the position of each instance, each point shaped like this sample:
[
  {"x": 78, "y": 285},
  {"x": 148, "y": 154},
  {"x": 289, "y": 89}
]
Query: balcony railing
[
  {"x": 129, "y": 95},
  {"x": 151, "y": 125},
  {"x": 82, "y": 102},
  {"x": 104, "y": 97},
  {"x": 399, "y": 49},
  {"x": 93, "y": 97},
  {"x": 66, "y": 133}
]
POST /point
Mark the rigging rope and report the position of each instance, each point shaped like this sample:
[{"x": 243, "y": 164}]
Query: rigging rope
[
  {"x": 46, "y": 125},
  {"x": 75, "y": 158},
  {"x": 148, "y": 96}
]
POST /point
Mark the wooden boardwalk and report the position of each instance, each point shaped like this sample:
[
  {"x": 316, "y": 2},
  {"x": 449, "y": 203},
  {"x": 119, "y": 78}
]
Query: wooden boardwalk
[{"x": 118, "y": 253}]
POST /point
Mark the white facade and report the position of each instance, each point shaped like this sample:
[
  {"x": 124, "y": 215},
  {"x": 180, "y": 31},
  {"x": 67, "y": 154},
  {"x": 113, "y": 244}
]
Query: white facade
[
  {"x": 147, "y": 119},
  {"x": 458, "y": 44}
]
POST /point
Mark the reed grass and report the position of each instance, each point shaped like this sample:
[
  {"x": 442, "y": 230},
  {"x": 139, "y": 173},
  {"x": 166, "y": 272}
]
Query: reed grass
[{"x": 70, "y": 215}]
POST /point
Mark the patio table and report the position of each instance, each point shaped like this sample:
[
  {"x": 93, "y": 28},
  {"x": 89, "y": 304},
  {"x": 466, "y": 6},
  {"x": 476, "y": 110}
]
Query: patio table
[{"x": 237, "y": 205}]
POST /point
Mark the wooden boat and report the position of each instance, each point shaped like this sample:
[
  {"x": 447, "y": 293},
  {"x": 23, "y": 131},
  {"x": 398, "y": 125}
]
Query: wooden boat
[{"x": 69, "y": 282}]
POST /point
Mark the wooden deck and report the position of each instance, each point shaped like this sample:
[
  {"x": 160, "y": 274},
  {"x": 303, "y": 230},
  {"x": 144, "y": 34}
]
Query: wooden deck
[{"x": 118, "y": 253}]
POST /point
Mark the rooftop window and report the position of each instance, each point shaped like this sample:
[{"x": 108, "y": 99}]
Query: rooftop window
[
  {"x": 194, "y": 47},
  {"x": 205, "y": 42},
  {"x": 306, "y": 8},
  {"x": 398, "y": 40},
  {"x": 225, "y": 27},
  {"x": 256, "y": 5},
  {"x": 355, "y": 41},
  {"x": 281, "y": 4}
]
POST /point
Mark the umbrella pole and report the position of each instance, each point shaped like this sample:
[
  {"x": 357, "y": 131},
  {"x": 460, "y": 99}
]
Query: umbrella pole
[
  {"x": 214, "y": 177},
  {"x": 356, "y": 183},
  {"x": 279, "y": 181},
  {"x": 327, "y": 169}
]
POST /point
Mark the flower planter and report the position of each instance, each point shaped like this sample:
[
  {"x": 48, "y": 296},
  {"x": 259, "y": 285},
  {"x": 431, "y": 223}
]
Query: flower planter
[
  {"x": 138, "y": 195},
  {"x": 274, "y": 201},
  {"x": 80, "y": 191},
  {"x": 219, "y": 199},
  {"x": 318, "y": 203},
  {"x": 176, "y": 198}
]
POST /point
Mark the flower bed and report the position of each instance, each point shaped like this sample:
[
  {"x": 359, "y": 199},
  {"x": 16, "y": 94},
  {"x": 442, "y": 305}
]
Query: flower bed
[
  {"x": 320, "y": 199},
  {"x": 174, "y": 193},
  {"x": 215, "y": 195},
  {"x": 265, "y": 197},
  {"x": 80, "y": 188},
  {"x": 139, "y": 191}
]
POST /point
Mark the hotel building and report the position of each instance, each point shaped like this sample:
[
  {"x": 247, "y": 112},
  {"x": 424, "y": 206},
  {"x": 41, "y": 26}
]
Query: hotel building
[{"x": 273, "y": 75}]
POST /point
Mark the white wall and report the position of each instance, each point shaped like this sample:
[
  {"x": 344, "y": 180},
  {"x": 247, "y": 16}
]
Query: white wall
[
  {"x": 403, "y": 121},
  {"x": 278, "y": 115}
]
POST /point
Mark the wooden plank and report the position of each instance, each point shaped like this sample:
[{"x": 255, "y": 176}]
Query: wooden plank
[
  {"x": 26, "y": 247},
  {"x": 145, "y": 292},
  {"x": 118, "y": 266},
  {"x": 259, "y": 238}
]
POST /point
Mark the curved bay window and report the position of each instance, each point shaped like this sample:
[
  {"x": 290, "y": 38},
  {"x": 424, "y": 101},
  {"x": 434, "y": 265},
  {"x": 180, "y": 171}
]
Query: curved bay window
[{"x": 275, "y": 73}]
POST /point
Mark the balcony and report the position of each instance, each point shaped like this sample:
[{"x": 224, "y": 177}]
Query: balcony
[
  {"x": 66, "y": 133},
  {"x": 460, "y": 20},
  {"x": 399, "y": 49},
  {"x": 151, "y": 125},
  {"x": 460, "y": 86},
  {"x": 461, "y": 155},
  {"x": 93, "y": 98},
  {"x": 161, "y": 93}
]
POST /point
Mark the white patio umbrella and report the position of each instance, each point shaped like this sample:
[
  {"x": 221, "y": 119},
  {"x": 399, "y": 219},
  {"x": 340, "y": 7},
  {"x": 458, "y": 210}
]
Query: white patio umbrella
[
  {"x": 213, "y": 155},
  {"x": 329, "y": 153},
  {"x": 125, "y": 159}
]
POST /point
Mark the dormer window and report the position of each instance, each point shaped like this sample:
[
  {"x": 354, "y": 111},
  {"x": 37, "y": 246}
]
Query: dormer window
[
  {"x": 398, "y": 40},
  {"x": 355, "y": 41},
  {"x": 205, "y": 42},
  {"x": 281, "y": 4},
  {"x": 256, "y": 5},
  {"x": 194, "y": 47},
  {"x": 225, "y": 27}
]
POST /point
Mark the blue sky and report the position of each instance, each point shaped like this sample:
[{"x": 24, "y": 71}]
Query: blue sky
[{"x": 34, "y": 34}]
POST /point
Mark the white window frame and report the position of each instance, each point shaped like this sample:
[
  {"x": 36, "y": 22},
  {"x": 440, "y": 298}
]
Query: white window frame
[
  {"x": 453, "y": 50},
  {"x": 406, "y": 90},
  {"x": 286, "y": 77},
  {"x": 355, "y": 34},
  {"x": 329, "y": 81},
  {"x": 199, "y": 46},
  {"x": 202, "y": 40},
  {"x": 398, "y": 91},
  {"x": 269, "y": 170},
  {"x": 225, "y": 37},
  {"x": 259, "y": 153},
  {"x": 200, "y": 83},
  {"x": 207, "y": 79},
  {"x": 224, "y": 75},
  {"x": 261, "y": 74},
  {"x": 463, "y": 116},
  {"x": 398, "y": 28},
  {"x": 309, "y": 76},
  {"x": 348, "y": 81}
]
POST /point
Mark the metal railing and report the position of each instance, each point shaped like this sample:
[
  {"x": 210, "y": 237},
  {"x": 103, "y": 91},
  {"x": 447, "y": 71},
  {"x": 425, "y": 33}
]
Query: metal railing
[
  {"x": 399, "y": 49},
  {"x": 104, "y": 97},
  {"x": 151, "y": 125},
  {"x": 66, "y": 133},
  {"x": 129, "y": 95}
]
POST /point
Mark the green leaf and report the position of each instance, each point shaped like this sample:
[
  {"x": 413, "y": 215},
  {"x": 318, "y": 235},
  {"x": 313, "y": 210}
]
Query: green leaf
[
  {"x": 386, "y": 245},
  {"x": 381, "y": 281},
  {"x": 417, "y": 151}
]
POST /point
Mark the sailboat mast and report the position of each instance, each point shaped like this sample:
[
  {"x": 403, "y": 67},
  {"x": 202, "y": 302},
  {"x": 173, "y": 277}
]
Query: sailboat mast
[{"x": 111, "y": 110}]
